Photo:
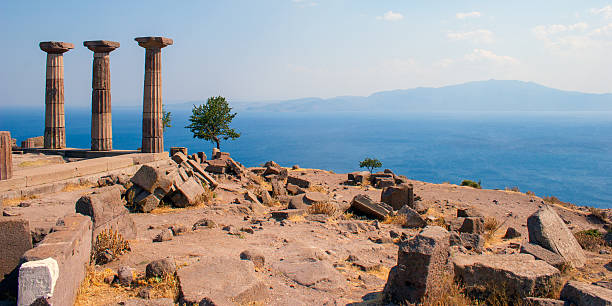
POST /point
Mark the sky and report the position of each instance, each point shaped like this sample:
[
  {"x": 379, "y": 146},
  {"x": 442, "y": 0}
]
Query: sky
[{"x": 265, "y": 50}]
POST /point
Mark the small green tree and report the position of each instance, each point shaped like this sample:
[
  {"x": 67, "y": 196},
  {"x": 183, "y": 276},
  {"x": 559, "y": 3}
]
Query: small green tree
[
  {"x": 211, "y": 121},
  {"x": 370, "y": 164},
  {"x": 166, "y": 118}
]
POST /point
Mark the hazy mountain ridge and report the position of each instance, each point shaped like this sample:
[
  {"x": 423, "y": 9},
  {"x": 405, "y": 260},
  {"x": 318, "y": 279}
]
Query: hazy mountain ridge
[{"x": 491, "y": 95}]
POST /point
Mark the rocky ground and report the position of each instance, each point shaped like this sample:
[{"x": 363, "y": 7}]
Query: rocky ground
[{"x": 343, "y": 257}]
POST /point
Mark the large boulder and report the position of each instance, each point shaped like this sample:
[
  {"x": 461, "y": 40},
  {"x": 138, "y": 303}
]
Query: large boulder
[
  {"x": 422, "y": 266},
  {"x": 220, "y": 281},
  {"x": 316, "y": 274},
  {"x": 519, "y": 275},
  {"x": 152, "y": 179},
  {"x": 363, "y": 204},
  {"x": 472, "y": 225},
  {"x": 398, "y": 196},
  {"x": 304, "y": 183},
  {"x": 188, "y": 193},
  {"x": 15, "y": 240},
  {"x": 107, "y": 211},
  {"x": 586, "y": 294},
  {"x": 548, "y": 230},
  {"x": 413, "y": 219}
]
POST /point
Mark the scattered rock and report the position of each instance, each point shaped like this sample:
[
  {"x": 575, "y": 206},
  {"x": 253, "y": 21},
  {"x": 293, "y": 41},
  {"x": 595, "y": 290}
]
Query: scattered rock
[
  {"x": 295, "y": 167},
  {"x": 521, "y": 275},
  {"x": 365, "y": 205},
  {"x": 257, "y": 258},
  {"x": 398, "y": 196},
  {"x": 178, "y": 229},
  {"x": 287, "y": 213},
  {"x": 220, "y": 281},
  {"x": 320, "y": 275},
  {"x": 541, "y": 253},
  {"x": 204, "y": 223},
  {"x": 422, "y": 265},
  {"x": 586, "y": 294},
  {"x": 161, "y": 268},
  {"x": 472, "y": 225},
  {"x": 298, "y": 181},
  {"x": 472, "y": 242},
  {"x": 511, "y": 233},
  {"x": 125, "y": 276},
  {"x": 548, "y": 230},
  {"x": 188, "y": 193},
  {"x": 413, "y": 219},
  {"x": 535, "y": 301},
  {"x": 164, "y": 235},
  {"x": 468, "y": 212}
]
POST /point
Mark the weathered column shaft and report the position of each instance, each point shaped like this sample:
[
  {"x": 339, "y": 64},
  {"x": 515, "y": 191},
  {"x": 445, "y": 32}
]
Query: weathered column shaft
[
  {"x": 6, "y": 158},
  {"x": 152, "y": 129},
  {"x": 55, "y": 125},
  {"x": 101, "y": 117}
]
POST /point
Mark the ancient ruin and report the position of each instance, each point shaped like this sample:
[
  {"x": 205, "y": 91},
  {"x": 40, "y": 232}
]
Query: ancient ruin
[
  {"x": 101, "y": 117},
  {"x": 110, "y": 227},
  {"x": 152, "y": 129},
  {"x": 55, "y": 123}
]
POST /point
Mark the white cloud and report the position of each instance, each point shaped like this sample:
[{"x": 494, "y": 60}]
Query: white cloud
[
  {"x": 543, "y": 31},
  {"x": 468, "y": 15},
  {"x": 477, "y": 36},
  {"x": 486, "y": 55},
  {"x": 391, "y": 16},
  {"x": 606, "y": 11}
]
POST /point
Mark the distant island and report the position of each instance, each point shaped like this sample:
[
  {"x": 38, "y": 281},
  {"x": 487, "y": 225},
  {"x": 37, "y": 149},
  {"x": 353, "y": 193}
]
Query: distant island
[{"x": 491, "y": 95}]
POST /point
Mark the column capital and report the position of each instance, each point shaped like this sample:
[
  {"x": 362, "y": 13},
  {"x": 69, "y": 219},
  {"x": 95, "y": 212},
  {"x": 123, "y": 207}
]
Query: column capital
[
  {"x": 101, "y": 46},
  {"x": 57, "y": 47},
  {"x": 153, "y": 42}
]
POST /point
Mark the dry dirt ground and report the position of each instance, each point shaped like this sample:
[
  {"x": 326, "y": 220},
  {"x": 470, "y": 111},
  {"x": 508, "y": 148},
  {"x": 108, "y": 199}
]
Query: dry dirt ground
[{"x": 306, "y": 258}]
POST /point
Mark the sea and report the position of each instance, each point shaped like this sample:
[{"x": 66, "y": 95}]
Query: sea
[{"x": 562, "y": 154}]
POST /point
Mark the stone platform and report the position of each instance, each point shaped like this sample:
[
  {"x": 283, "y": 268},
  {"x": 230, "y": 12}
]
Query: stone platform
[{"x": 77, "y": 153}]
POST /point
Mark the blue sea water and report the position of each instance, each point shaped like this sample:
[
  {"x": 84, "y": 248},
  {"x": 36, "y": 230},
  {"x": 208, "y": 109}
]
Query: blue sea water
[{"x": 568, "y": 155}]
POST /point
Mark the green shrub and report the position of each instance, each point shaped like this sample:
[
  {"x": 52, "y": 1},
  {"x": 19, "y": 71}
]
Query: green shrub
[
  {"x": 591, "y": 240},
  {"x": 471, "y": 184}
]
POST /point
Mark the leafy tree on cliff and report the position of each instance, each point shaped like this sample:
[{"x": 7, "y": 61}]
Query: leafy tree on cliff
[
  {"x": 211, "y": 121},
  {"x": 370, "y": 164}
]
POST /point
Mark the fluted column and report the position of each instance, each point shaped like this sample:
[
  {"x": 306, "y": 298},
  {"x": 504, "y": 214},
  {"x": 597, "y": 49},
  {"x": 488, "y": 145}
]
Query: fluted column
[
  {"x": 6, "y": 157},
  {"x": 55, "y": 124},
  {"x": 152, "y": 129},
  {"x": 101, "y": 118}
]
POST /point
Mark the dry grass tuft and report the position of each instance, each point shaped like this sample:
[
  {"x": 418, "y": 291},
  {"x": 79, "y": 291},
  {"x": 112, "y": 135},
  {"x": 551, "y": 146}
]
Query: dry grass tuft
[
  {"x": 598, "y": 214},
  {"x": 16, "y": 201},
  {"x": 77, "y": 186},
  {"x": 296, "y": 218},
  {"x": 491, "y": 226},
  {"x": 109, "y": 246},
  {"x": 35, "y": 163},
  {"x": 399, "y": 219},
  {"x": 450, "y": 293},
  {"x": 95, "y": 291},
  {"x": 318, "y": 188},
  {"x": 555, "y": 201},
  {"x": 326, "y": 208}
]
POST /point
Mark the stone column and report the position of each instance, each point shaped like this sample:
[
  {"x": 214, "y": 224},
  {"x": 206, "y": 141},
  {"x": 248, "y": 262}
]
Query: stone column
[
  {"x": 101, "y": 118},
  {"x": 55, "y": 124},
  {"x": 6, "y": 157},
  {"x": 152, "y": 129}
]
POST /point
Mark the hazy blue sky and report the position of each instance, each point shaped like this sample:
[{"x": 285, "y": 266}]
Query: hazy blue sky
[{"x": 266, "y": 50}]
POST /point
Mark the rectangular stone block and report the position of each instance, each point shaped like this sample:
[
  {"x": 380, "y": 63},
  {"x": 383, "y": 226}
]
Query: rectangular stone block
[
  {"x": 70, "y": 245},
  {"x": 48, "y": 174},
  {"x": 107, "y": 211},
  {"x": 37, "y": 280},
  {"x": 90, "y": 166},
  {"x": 118, "y": 162},
  {"x": 15, "y": 240},
  {"x": 13, "y": 183}
]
